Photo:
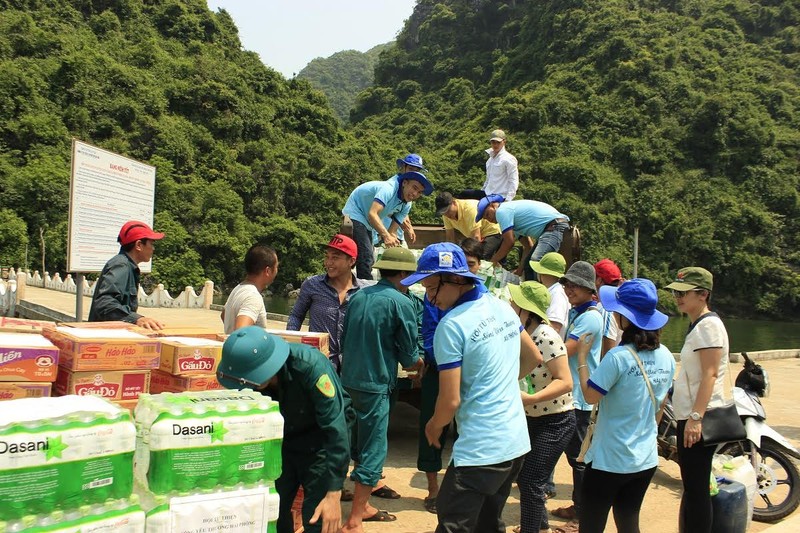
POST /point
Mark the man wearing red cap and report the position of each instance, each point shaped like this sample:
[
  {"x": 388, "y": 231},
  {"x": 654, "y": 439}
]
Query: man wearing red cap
[
  {"x": 608, "y": 273},
  {"x": 115, "y": 292},
  {"x": 324, "y": 297}
]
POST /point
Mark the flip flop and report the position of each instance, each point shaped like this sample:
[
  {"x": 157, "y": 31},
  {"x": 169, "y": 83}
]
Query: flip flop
[
  {"x": 386, "y": 493},
  {"x": 380, "y": 516},
  {"x": 347, "y": 495},
  {"x": 566, "y": 513},
  {"x": 572, "y": 526},
  {"x": 430, "y": 504}
]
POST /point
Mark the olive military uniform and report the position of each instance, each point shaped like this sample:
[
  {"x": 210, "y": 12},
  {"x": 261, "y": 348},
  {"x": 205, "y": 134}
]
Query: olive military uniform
[{"x": 316, "y": 435}]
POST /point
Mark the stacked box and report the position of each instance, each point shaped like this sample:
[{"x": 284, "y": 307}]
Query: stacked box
[
  {"x": 28, "y": 366},
  {"x": 201, "y": 440},
  {"x": 23, "y": 325},
  {"x": 165, "y": 382},
  {"x": 113, "y": 385},
  {"x": 188, "y": 356},
  {"x": 92, "y": 349},
  {"x": 10, "y": 390},
  {"x": 317, "y": 340},
  {"x": 187, "y": 331},
  {"x": 63, "y": 453},
  {"x": 111, "y": 324}
]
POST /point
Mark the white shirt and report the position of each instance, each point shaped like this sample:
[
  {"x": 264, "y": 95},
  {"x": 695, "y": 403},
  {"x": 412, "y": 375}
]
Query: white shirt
[
  {"x": 558, "y": 310},
  {"x": 244, "y": 300},
  {"x": 502, "y": 175},
  {"x": 708, "y": 333},
  {"x": 610, "y": 328}
]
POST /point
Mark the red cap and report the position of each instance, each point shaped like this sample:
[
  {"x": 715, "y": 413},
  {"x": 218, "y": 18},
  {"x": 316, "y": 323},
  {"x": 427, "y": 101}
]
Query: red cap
[
  {"x": 133, "y": 230},
  {"x": 608, "y": 271},
  {"x": 344, "y": 244}
]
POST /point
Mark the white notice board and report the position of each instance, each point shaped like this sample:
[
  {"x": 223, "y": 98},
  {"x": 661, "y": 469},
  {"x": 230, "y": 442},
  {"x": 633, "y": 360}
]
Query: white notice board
[{"x": 105, "y": 191}]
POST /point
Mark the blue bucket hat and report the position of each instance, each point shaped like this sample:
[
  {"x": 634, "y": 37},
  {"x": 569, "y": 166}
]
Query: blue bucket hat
[
  {"x": 250, "y": 357},
  {"x": 417, "y": 176},
  {"x": 484, "y": 203},
  {"x": 414, "y": 160},
  {"x": 636, "y": 300},
  {"x": 440, "y": 258}
]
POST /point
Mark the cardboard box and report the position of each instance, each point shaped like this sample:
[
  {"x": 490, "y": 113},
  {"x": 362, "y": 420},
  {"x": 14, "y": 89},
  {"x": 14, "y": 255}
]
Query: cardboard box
[
  {"x": 10, "y": 390},
  {"x": 188, "y": 331},
  {"x": 27, "y": 357},
  {"x": 130, "y": 405},
  {"x": 23, "y": 325},
  {"x": 104, "y": 349},
  {"x": 112, "y": 324},
  {"x": 189, "y": 356},
  {"x": 317, "y": 340},
  {"x": 164, "y": 382},
  {"x": 113, "y": 385}
]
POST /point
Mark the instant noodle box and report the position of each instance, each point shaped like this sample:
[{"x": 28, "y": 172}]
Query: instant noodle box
[
  {"x": 187, "y": 331},
  {"x": 163, "y": 382},
  {"x": 26, "y": 357},
  {"x": 317, "y": 340},
  {"x": 10, "y": 390},
  {"x": 112, "y": 385},
  {"x": 187, "y": 356},
  {"x": 104, "y": 349},
  {"x": 24, "y": 325}
]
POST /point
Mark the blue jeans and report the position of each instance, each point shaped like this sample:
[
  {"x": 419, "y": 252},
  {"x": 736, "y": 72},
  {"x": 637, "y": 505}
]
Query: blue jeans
[
  {"x": 366, "y": 252},
  {"x": 549, "y": 241}
]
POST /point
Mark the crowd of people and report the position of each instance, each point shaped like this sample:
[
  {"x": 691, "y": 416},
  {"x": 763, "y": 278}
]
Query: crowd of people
[{"x": 572, "y": 365}]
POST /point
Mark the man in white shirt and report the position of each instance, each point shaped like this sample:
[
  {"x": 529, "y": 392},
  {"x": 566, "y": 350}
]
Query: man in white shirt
[
  {"x": 502, "y": 173},
  {"x": 245, "y": 305}
]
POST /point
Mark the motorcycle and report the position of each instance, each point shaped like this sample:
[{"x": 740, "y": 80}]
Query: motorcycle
[{"x": 769, "y": 452}]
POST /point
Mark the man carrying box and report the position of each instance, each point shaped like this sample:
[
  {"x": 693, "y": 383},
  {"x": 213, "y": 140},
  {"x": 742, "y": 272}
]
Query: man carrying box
[{"x": 316, "y": 444}]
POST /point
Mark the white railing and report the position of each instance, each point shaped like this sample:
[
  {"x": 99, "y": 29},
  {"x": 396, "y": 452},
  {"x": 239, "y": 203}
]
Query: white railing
[
  {"x": 160, "y": 297},
  {"x": 8, "y": 297}
]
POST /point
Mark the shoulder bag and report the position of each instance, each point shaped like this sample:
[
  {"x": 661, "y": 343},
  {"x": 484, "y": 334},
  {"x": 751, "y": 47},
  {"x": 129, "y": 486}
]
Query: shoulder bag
[{"x": 723, "y": 424}]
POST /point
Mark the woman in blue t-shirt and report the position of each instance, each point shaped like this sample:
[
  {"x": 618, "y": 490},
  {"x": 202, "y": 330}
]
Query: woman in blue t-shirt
[{"x": 629, "y": 386}]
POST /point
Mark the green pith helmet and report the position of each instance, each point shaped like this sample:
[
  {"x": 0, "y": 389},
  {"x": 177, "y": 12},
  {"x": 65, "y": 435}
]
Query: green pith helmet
[{"x": 250, "y": 358}]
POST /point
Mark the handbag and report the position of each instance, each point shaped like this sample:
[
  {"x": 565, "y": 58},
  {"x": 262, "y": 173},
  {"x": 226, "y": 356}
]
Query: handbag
[
  {"x": 587, "y": 440},
  {"x": 722, "y": 424}
]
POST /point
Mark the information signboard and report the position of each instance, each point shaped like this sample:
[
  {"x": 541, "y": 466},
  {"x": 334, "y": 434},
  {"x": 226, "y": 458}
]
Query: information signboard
[{"x": 105, "y": 191}]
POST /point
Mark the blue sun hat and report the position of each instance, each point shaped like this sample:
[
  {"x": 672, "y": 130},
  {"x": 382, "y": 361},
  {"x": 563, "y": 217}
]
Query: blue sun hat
[
  {"x": 636, "y": 300},
  {"x": 484, "y": 203},
  {"x": 414, "y": 160},
  {"x": 250, "y": 358},
  {"x": 417, "y": 176},
  {"x": 440, "y": 258}
]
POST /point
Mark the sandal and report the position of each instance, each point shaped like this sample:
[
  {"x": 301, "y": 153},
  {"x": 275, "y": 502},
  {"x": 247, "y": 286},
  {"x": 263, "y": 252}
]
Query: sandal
[
  {"x": 573, "y": 526},
  {"x": 347, "y": 495},
  {"x": 566, "y": 513},
  {"x": 380, "y": 516},
  {"x": 386, "y": 493},
  {"x": 430, "y": 504}
]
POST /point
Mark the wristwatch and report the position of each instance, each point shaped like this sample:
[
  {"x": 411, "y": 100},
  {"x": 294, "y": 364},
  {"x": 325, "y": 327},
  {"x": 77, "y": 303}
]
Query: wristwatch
[{"x": 696, "y": 416}]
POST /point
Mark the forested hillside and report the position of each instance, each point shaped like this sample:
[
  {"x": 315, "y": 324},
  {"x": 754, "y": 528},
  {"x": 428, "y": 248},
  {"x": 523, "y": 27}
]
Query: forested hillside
[
  {"x": 679, "y": 117},
  {"x": 242, "y": 154},
  {"x": 342, "y": 76}
]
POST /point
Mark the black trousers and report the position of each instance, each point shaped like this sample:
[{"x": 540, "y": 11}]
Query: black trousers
[
  {"x": 471, "y": 498},
  {"x": 696, "y": 514},
  {"x": 603, "y": 491}
]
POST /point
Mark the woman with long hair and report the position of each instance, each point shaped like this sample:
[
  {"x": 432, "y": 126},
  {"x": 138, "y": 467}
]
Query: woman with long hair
[
  {"x": 547, "y": 397},
  {"x": 629, "y": 386},
  {"x": 699, "y": 386}
]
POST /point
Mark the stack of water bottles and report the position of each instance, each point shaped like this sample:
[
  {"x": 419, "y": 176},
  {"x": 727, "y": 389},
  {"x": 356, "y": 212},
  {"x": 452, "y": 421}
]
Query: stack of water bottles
[
  {"x": 66, "y": 464},
  {"x": 208, "y": 459}
]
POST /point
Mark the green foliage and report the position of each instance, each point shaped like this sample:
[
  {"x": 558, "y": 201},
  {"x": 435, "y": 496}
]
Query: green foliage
[
  {"x": 13, "y": 239},
  {"x": 342, "y": 76}
]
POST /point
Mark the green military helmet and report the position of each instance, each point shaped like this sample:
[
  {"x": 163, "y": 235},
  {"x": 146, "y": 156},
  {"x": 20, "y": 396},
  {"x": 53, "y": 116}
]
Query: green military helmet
[
  {"x": 397, "y": 258},
  {"x": 250, "y": 358}
]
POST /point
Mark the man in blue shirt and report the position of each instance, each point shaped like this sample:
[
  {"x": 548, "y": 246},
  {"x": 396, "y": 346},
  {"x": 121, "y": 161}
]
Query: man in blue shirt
[
  {"x": 325, "y": 297},
  {"x": 372, "y": 202},
  {"x": 527, "y": 219},
  {"x": 481, "y": 355}
]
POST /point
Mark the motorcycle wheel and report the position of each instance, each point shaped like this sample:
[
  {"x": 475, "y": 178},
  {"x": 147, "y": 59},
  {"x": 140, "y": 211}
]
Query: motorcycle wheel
[{"x": 778, "y": 480}]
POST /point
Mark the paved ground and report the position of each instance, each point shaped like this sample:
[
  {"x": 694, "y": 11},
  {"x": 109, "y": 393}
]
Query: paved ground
[{"x": 659, "y": 513}]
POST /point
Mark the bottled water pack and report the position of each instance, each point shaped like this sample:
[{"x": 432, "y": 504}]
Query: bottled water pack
[{"x": 204, "y": 439}]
